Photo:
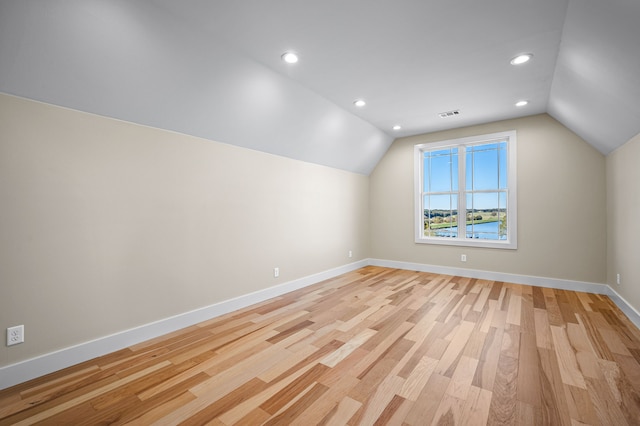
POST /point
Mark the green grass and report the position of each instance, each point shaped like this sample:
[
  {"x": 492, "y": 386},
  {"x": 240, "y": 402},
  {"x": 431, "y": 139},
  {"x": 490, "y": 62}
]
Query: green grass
[{"x": 469, "y": 222}]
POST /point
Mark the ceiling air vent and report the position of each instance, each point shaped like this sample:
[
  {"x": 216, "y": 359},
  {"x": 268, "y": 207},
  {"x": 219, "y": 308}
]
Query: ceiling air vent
[{"x": 448, "y": 114}]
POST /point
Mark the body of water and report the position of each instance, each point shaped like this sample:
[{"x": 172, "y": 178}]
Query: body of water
[{"x": 484, "y": 231}]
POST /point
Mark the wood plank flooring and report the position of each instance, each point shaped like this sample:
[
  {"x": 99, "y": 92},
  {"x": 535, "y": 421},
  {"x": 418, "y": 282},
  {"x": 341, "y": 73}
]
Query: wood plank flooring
[{"x": 375, "y": 346}]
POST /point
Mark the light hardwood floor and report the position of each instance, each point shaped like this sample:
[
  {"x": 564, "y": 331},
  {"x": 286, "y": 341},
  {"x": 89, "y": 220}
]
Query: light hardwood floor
[{"x": 375, "y": 346}]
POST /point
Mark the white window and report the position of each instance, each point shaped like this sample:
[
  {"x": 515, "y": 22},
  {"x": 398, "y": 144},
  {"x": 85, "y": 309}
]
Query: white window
[{"x": 471, "y": 181}]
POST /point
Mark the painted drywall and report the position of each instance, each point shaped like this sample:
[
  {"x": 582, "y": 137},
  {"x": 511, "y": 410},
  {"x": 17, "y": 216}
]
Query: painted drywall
[
  {"x": 137, "y": 62},
  {"x": 623, "y": 230},
  {"x": 561, "y": 205},
  {"x": 107, "y": 225}
]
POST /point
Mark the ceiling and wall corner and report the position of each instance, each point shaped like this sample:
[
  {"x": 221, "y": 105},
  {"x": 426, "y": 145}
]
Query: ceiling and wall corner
[
  {"x": 214, "y": 69},
  {"x": 596, "y": 84},
  {"x": 135, "y": 62}
]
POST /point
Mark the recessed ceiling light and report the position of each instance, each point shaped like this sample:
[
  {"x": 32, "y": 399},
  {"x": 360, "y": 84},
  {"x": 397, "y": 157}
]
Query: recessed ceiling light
[
  {"x": 397, "y": 127},
  {"x": 290, "y": 57},
  {"x": 521, "y": 103},
  {"x": 521, "y": 59},
  {"x": 359, "y": 103}
]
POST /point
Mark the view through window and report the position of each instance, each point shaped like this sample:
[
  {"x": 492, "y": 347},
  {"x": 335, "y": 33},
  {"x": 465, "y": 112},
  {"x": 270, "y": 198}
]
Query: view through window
[{"x": 468, "y": 181}]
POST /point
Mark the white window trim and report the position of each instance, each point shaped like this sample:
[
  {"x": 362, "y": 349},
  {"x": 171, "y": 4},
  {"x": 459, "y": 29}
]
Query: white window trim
[{"x": 512, "y": 213}]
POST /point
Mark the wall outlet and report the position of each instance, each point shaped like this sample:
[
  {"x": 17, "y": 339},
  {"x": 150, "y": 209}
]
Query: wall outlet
[
  {"x": 463, "y": 258},
  {"x": 276, "y": 272},
  {"x": 350, "y": 253},
  {"x": 618, "y": 281},
  {"x": 15, "y": 335}
]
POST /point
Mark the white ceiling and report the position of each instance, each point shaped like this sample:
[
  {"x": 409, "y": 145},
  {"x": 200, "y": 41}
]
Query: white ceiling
[{"x": 213, "y": 68}]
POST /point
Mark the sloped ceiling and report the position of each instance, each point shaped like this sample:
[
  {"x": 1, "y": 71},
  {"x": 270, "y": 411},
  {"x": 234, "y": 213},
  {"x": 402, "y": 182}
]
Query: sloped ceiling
[
  {"x": 596, "y": 83},
  {"x": 213, "y": 68}
]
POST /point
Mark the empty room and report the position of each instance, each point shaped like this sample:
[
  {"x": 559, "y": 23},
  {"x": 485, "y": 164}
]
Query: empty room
[{"x": 337, "y": 212}]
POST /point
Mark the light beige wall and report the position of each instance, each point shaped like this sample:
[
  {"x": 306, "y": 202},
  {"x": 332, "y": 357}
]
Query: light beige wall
[
  {"x": 561, "y": 205},
  {"x": 106, "y": 225},
  {"x": 623, "y": 209}
]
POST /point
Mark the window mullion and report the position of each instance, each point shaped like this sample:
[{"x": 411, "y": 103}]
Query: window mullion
[{"x": 462, "y": 199}]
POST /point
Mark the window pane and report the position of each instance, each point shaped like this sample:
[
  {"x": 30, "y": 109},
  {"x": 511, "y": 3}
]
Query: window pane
[
  {"x": 503, "y": 216},
  {"x": 485, "y": 200},
  {"x": 426, "y": 171},
  {"x": 502, "y": 201},
  {"x": 440, "y": 215},
  {"x": 484, "y": 231},
  {"x": 483, "y": 215},
  {"x": 468, "y": 172},
  {"x": 485, "y": 167},
  {"x": 442, "y": 170},
  {"x": 503, "y": 165},
  {"x": 454, "y": 169},
  {"x": 440, "y": 203},
  {"x": 449, "y": 231}
]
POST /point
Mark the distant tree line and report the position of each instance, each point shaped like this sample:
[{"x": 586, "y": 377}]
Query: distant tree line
[{"x": 445, "y": 213}]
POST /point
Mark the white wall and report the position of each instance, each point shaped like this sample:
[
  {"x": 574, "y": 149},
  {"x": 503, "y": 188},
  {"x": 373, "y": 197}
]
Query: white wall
[
  {"x": 137, "y": 62},
  {"x": 561, "y": 206},
  {"x": 623, "y": 210},
  {"x": 107, "y": 225}
]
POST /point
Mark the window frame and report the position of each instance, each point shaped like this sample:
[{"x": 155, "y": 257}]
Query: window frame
[{"x": 462, "y": 143}]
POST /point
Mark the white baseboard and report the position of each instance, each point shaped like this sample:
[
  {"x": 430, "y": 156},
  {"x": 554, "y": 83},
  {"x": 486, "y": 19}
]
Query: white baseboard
[
  {"x": 625, "y": 307},
  {"x": 629, "y": 311},
  {"x": 495, "y": 276},
  {"x": 20, "y": 372},
  {"x": 35, "y": 367}
]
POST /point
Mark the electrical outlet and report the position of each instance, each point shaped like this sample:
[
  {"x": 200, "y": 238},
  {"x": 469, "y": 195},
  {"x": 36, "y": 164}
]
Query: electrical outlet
[
  {"x": 15, "y": 335},
  {"x": 618, "y": 281},
  {"x": 350, "y": 253},
  {"x": 463, "y": 258},
  {"x": 276, "y": 272}
]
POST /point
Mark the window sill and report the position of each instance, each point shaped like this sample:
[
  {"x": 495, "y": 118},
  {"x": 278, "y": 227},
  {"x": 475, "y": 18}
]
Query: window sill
[{"x": 502, "y": 244}]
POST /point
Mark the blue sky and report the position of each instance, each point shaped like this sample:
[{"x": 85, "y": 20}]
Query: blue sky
[{"x": 486, "y": 169}]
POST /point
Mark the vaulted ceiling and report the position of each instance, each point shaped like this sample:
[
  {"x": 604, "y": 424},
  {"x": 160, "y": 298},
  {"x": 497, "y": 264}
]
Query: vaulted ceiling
[{"x": 213, "y": 68}]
